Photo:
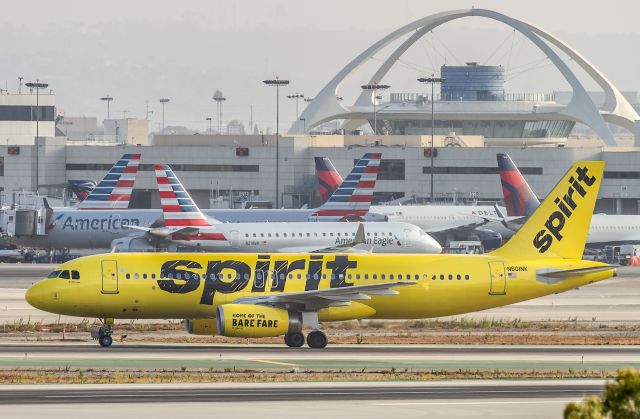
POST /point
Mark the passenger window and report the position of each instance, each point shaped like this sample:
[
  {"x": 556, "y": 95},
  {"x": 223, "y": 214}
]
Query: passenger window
[
  {"x": 65, "y": 275},
  {"x": 382, "y": 276},
  {"x": 136, "y": 276},
  {"x": 391, "y": 276},
  {"x": 144, "y": 276},
  {"x": 399, "y": 276},
  {"x": 246, "y": 277},
  {"x": 458, "y": 277},
  {"x": 466, "y": 277},
  {"x": 324, "y": 276},
  {"x": 450, "y": 277},
  {"x": 299, "y": 276},
  {"x": 357, "y": 276},
  {"x": 54, "y": 274},
  {"x": 75, "y": 275},
  {"x": 366, "y": 276},
  {"x": 375, "y": 276},
  {"x": 153, "y": 276},
  {"x": 128, "y": 276},
  {"x": 349, "y": 276},
  {"x": 416, "y": 277},
  {"x": 441, "y": 277}
]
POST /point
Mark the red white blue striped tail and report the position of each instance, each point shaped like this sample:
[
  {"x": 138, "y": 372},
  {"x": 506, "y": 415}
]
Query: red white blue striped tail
[
  {"x": 114, "y": 190},
  {"x": 178, "y": 209},
  {"x": 353, "y": 197}
]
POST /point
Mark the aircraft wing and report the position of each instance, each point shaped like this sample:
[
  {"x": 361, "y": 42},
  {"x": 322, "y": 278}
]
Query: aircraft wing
[
  {"x": 319, "y": 299},
  {"x": 164, "y": 232}
]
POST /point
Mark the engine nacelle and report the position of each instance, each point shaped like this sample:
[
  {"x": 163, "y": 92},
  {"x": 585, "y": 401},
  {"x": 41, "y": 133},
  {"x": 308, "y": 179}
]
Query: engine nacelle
[
  {"x": 131, "y": 244},
  {"x": 254, "y": 321},
  {"x": 206, "y": 327}
]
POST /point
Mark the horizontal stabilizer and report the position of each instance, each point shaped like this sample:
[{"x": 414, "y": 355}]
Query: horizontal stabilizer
[{"x": 552, "y": 276}]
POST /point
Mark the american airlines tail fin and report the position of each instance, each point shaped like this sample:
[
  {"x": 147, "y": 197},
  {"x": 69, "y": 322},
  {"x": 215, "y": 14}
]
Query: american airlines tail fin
[
  {"x": 518, "y": 196},
  {"x": 81, "y": 188},
  {"x": 328, "y": 177},
  {"x": 559, "y": 227},
  {"x": 353, "y": 197},
  {"x": 114, "y": 190},
  {"x": 178, "y": 209}
]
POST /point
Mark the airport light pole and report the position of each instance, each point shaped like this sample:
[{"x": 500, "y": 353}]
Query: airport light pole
[
  {"x": 304, "y": 124},
  {"x": 277, "y": 82},
  {"x": 374, "y": 88},
  {"x": 297, "y": 97},
  {"x": 210, "y": 121},
  {"x": 431, "y": 80},
  {"x": 37, "y": 85},
  {"x": 107, "y": 99},
  {"x": 164, "y": 101},
  {"x": 218, "y": 97}
]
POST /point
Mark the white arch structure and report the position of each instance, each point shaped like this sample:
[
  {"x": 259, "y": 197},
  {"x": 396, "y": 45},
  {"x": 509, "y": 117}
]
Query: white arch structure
[{"x": 616, "y": 109}]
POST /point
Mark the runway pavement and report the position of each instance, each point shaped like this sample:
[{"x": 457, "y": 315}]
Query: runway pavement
[
  {"x": 334, "y": 357},
  {"x": 355, "y": 400},
  {"x": 299, "y": 392}
]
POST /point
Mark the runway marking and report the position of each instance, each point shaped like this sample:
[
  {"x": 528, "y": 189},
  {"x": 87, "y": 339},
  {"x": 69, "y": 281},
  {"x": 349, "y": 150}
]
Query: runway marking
[
  {"x": 476, "y": 403},
  {"x": 274, "y": 362}
]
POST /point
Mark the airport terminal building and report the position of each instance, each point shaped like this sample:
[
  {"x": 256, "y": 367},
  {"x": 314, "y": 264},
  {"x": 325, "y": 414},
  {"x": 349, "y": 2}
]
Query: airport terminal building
[{"x": 227, "y": 171}]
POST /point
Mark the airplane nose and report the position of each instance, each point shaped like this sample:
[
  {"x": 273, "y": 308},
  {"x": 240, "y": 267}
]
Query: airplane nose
[
  {"x": 36, "y": 296},
  {"x": 432, "y": 245}
]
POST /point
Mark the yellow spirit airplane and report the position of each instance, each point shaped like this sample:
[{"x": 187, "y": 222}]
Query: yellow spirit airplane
[{"x": 256, "y": 295}]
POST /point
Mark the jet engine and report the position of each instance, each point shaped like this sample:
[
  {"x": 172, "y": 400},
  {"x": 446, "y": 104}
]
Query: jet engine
[{"x": 254, "y": 321}]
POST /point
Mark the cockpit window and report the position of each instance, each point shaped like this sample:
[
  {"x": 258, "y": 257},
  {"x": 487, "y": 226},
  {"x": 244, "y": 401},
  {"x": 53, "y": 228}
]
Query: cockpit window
[
  {"x": 54, "y": 274},
  {"x": 64, "y": 275},
  {"x": 75, "y": 275}
]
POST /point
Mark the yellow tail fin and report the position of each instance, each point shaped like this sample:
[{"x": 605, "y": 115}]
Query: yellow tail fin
[{"x": 559, "y": 227}]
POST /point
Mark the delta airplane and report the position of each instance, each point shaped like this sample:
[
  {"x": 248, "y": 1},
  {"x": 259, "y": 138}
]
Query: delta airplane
[
  {"x": 256, "y": 295},
  {"x": 101, "y": 221},
  {"x": 446, "y": 222},
  {"x": 186, "y": 225},
  {"x": 521, "y": 201}
]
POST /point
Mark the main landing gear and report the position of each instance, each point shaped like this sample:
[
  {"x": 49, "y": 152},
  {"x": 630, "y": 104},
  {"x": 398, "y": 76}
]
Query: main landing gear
[
  {"x": 102, "y": 332},
  {"x": 315, "y": 339}
]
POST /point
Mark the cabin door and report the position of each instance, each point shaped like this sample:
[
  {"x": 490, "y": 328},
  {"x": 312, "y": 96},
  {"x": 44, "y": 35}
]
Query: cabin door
[
  {"x": 109, "y": 277},
  {"x": 498, "y": 279}
]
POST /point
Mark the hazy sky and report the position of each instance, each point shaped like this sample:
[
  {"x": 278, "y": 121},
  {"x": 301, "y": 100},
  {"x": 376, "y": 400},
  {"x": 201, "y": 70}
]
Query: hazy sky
[{"x": 145, "y": 49}]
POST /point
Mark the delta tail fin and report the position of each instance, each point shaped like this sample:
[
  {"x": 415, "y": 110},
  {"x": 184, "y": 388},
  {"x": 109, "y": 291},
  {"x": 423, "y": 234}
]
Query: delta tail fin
[
  {"x": 114, "y": 190},
  {"x": 559, "y": 227},
  {"x": 355, "y": 194},
  {"x": 518, "y": 196},
  {"x": 328, "y": 177},
  {"x": 178, "y": 209}
]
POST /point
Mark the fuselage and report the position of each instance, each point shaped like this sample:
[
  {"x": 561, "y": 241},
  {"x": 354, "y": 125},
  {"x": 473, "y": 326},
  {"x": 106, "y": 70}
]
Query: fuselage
[
  {"x": 178, "y": 285},
  {"x": 391, "y": 237},
  {"x": 440, "y": 218},
  {"x": 96, "y": 229}
]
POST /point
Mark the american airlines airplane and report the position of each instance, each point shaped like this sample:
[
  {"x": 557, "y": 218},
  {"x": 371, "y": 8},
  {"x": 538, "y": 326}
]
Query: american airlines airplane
[
  {"x": 521, "y": 202},
  {"x": 186, "y": 225},
  {"x": 446, "y": 222},
  {"x": 105, "y": 214}
]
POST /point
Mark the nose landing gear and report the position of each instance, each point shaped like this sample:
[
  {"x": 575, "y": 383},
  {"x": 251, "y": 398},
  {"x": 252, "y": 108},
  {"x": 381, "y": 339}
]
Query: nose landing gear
[{"x": 102, "y": 332}]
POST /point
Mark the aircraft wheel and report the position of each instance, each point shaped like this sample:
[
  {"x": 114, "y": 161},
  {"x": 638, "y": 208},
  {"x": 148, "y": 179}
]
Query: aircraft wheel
[
  {"x": 294, "y": 340},
  {"x": 105, "y": 341},
  {"x": 316, "y": 339}
]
